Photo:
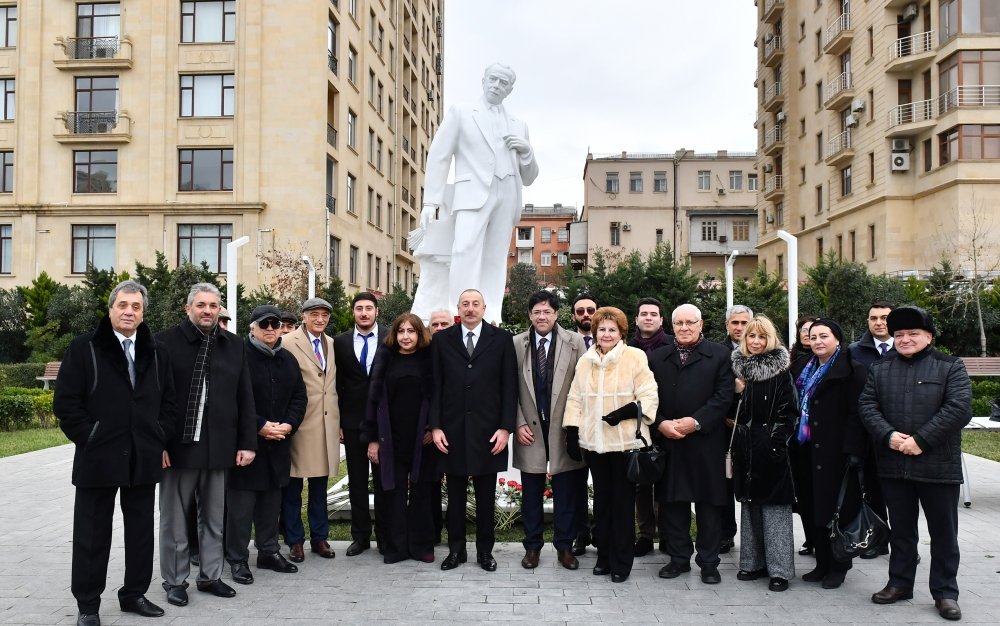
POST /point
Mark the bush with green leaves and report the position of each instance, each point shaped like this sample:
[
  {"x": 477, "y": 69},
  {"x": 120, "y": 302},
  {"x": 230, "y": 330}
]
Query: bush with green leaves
[
  {"x": 21, "y": 374},
  {"x": 17, "y": 412}
]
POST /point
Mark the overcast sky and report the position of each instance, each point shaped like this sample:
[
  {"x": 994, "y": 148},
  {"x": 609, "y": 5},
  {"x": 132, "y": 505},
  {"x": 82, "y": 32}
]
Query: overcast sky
[{"x": 635, "y": 75}]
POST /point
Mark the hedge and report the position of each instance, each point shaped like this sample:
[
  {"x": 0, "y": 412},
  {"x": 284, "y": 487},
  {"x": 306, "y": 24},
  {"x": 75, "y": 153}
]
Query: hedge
[
  {"x": 22, "y": 408},
  {"x": 21, "y": 374}
]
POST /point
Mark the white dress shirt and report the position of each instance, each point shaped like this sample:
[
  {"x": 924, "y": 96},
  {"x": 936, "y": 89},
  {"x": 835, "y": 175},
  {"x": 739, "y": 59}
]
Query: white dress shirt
[
  {"x": 359, "y": 342},
  {"x": 476, "y": 332}
]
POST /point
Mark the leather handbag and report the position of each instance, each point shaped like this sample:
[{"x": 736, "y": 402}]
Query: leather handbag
[
  {"x": 866, "y": 531},
  {"x": 645, "y": 464}
]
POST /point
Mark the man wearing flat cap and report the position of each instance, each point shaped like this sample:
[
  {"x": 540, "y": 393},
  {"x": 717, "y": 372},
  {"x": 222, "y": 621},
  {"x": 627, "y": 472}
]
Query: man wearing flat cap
[
  {"x": 288, "y": 322},
  {"x": 915, "y": 406},
  {"x": 316, "y": 445}
]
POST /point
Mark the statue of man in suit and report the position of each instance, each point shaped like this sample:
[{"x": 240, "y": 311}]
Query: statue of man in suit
[{"x": 492, "y": 160}]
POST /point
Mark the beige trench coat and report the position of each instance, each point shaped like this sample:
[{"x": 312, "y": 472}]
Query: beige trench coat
[{"x": 316, "y": 444}]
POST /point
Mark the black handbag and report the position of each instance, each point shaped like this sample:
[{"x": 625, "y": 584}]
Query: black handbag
[
  {"x": 645, "y": 464},
  {"x": 866, "y": 531}
]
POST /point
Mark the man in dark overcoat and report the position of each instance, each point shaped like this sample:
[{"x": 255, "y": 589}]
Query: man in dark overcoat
[
  {"x": 695, "y": 381},
  {"x": 114, "y": 399},
  {"x": 473, "y": 412}
]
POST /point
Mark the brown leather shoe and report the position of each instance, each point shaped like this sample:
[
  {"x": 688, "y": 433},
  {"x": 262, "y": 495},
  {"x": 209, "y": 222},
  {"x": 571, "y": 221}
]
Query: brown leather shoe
[
  {"x": 948, "y": 609},
  {"x": 295, "y": 553},
  {"x": 530, "y": 560},
  {"x": 567, "y": 560},
  {"x": 323, "y": 549},
  {"x": 891, "y": 595}
]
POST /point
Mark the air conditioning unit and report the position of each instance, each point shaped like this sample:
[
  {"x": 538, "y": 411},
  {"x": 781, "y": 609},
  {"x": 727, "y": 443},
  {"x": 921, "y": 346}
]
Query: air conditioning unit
[
  {"x": 722, "y": 191},
  {"x": 723, "y": 239},
  {"x": 851, "y": 121},
  {"x": 768, "y": 168},
  {"x": 768, "y": 38},
  {"x": 770, "y": 218},
  {"x": 858, "y": 104},
  {"x": 101, "y": 127},
  {"x": 511, "y": 254},
  {"x": 102, "y": 53},
  {"x": 780, "y": 117},
  {"x": 626, "y": 227},
  {"x": 900, "y": 145},
  {"x": 910, "y": 12},
  {"x": 901, "y": 162},
  {"x": 430, "y": 95}
]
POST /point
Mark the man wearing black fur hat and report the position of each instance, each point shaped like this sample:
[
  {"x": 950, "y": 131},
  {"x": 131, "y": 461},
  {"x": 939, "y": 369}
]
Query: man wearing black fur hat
[{"x": 915, "y": 406}]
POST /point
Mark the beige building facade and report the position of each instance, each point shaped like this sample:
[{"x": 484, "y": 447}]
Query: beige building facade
[
  {"x": 700, "y": 204},
  {"x": 879, "y": 130},
  {"x": 133, "y": 127}
]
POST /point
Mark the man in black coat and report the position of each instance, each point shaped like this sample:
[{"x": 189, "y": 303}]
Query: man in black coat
[
  {"x": 115, "y": 400},
  {"x": 695, "y": 381},
  {"x": 215, "y": 430},
  {"x": 737, "y": 318},
  {"x": 354, "y": 352},
  {"x": 254, "y": 491},
  {"x": 473, "y": 412}
]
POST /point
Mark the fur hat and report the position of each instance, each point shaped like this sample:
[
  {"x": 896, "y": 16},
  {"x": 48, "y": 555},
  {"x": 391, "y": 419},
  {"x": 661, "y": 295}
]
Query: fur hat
[{"x": 909, "y": 318}]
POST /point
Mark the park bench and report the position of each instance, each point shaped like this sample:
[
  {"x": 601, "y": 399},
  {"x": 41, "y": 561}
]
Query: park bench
[
  {"x": 51, "y": 371},
  {"x": 982, "y": 365}
]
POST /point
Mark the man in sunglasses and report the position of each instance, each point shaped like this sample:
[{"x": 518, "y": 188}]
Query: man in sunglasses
[
  {"x": 583, "y": 311},
  {"x": 584, "y": 307}
]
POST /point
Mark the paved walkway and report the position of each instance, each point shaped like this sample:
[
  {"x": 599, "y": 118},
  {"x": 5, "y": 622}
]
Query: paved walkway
[{"x": 36, "y": 501}]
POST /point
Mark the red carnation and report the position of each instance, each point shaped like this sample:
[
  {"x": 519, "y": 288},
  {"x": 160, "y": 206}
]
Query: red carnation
[
  {"x": 548, "y": 493},
  {"x": 502, "y": 480}
]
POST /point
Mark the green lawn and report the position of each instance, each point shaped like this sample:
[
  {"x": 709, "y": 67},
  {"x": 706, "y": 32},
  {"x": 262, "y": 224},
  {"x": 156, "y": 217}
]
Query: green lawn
[
  {"x": 984, "y": 443},
  {"x": 21, "y": 441}
]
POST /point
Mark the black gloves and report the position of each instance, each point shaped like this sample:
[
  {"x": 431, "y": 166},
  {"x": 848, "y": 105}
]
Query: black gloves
[
  {"x": 629, "y": 411},
  {"x": 855, "y": 462},
  {"x": 573, "y": 443}
]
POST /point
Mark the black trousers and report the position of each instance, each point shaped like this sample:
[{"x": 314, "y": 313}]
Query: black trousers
[
  {"x": 436, "y": 512},
  {"x": 614, "y": 511},
  {"x": 802, "y": 475},
  {"x": 675, "y": 529},
  {"x": 646, "y": 511},
  {"x": 485, "y": 488},
  {"x": 939, "y": 502},
  {"x": 565, "y": 491},
  {"x": 729, "y": 528},
  {"x": 409, "y": 518},
  {"x": 584, "y": 522},
  {"x": 819, "y": 537},
  {"x": 358, "y": 468},
  {"x": 93, "y": 514},
  {"x": 246, "y": 508}
]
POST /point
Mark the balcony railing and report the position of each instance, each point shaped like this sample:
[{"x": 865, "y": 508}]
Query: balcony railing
[
  {"x": 772, "y": 10},
  {"x": 331, "y": 135},
  {"x": 774, "y": 184},
  {"x": 914, "y": 44},
  {"x": 406, "y": 145},
  {"x": 969, "y": 96},
  {"x": 92, "y": 47},
  {"x": 405, "y": 194},
  {"x": 404, "y": 244},
  {"x": 331, "y": 203},
  {"x": 922, "y": 111},
  {"x": 774, "y": 138},
  {"x": 772, "y": 47},
  {"x": 773, "y": 95},
  {"x": 838, "y": 144},
  {"x": 331, "y": 62},
  {"x": 838, "y": 33},
  {"x": 91, "y": 122},
  {"x": 839, "y": 85}
]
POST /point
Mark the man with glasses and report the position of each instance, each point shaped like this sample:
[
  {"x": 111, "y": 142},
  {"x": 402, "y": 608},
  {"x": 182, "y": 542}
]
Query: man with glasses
[{"x": 584, "y": 307}]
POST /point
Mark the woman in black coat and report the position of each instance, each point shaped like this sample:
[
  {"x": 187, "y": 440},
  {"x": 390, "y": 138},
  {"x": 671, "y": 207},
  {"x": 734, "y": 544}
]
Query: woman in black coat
[
  {"x": 399, "y": 442},
  {"x": 762, "y": 476},
  {"x": 830, "y": 437}
]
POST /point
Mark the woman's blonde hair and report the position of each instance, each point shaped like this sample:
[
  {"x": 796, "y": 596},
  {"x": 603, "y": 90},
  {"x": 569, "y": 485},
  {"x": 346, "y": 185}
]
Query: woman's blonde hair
[
  {"x": 760, "y": 325},
  {"x": 610, "y": 313}
]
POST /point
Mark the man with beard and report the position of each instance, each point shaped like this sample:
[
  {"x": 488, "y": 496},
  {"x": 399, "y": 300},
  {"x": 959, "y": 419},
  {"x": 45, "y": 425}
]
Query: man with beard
[{"x": 584, "y": 307}]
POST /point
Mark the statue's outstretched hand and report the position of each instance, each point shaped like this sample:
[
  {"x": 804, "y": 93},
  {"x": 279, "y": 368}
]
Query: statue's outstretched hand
[{"x": 427, "y": 215}]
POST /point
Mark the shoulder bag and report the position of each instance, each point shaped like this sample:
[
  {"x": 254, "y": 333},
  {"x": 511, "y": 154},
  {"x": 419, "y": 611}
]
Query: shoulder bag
[
  {"x": 867, "y": 530},
  {"x": 645, "y": 464}
]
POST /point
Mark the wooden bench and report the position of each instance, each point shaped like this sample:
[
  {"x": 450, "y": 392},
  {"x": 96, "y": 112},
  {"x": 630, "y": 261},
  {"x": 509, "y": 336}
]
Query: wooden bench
[
  {"x": 51, "y": 371},
  {"x": 982, "y": 365}
]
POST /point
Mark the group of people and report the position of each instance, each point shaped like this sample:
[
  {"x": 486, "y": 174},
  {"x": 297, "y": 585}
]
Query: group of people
[{"x": 233, "y": 428}]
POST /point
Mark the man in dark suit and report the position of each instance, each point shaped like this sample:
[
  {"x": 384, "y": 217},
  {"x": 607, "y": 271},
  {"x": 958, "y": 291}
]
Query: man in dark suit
[
  {"x": 473, "y": 412},
  {"x": 115, "y": 400},
  {"x": 215, "y": 430},
  {"x": 353, "y": 353},
  {"x": 737, "y": 318},
  {"x": 584, "y": 307}
]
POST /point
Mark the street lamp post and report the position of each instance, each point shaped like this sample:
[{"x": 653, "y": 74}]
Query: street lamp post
[
  {"x": 232, "y": 273},
  {"x": 312, "y": 276},
  {"x": 729, "y": 279},
  {"x": 793, "y": 281}
]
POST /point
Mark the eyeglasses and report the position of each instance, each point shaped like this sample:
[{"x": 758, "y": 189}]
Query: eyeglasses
[
  {"x": 270, "y": 323},
  {"x": 582, "y": 310},
  {"x": 684, "y": 323},
  {"x": 543, "y": 312}
]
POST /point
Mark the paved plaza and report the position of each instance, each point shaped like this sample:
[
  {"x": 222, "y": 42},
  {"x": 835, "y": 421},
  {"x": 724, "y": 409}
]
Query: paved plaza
[{"x": 36, "y": 504}]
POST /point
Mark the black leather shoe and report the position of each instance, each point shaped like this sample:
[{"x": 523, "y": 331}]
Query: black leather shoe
[
  {"x": 891, "y": 595},
  {"x": 177, "y": 595},
  {"x": 602, "y": 570},
  {"x": 487, "y": 562},
  {"x": 217, "y": 588},
  {"x": 834, "y": 580},
  {"x": 453, "y": 560},
  {"x": 806, "y": 550},
  {"x": 619, "y": 578},
  {"x": 241, "y": 573},
  {"x": 88, "y": 619},
  {"x": 276, "y": 563},
  {"x": 530, "y": 560},
  {"x": 195, "y": 559},
  {"x": 674, "y": 569},
  {"x": 642, "y": 547},
  {"x": 778, "y": 584},
  {"x": 948, "y": 609},
  {"x": 580, "y": 546},
  {"x": 814, "y": 576},
  {"x": 726, "y": 546},
  {"x": 358, "y": 547},
  {"x": 140, "y": 606},
  {"x": 751, "y": 575},
  {"x": 874, "y": 553},
  {"x": 710, "y": 576}
]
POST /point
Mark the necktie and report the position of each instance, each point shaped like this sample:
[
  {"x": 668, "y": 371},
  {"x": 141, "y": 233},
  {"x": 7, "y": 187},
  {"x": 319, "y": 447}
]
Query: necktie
[
  {"x": 319, "y": 354},
  {"x": 131, "y": 363},
  {"x": 883, "y": 347},
  {"x": 588, "y": 340},
  {"x": 468, "y": 342},
  {"x": 364, "y": 352},
  {"x": 542, "y": 359}
]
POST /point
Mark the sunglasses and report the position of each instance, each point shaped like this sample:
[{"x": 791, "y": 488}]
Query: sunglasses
[
  {"x": 270, "y": 323},
  {"x": 582, "y": 310}
]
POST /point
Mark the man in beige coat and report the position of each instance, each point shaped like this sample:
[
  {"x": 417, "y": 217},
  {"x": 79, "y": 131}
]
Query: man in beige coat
[
  {"x": 546, "y": 359},
  {"x": 316, "y": 445}
]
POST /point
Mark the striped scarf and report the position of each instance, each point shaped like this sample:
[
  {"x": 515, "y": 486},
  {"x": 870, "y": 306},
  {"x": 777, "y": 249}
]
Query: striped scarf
[
  {"x": 806, "y": 383},
  {"x": 199, "y": 387}
]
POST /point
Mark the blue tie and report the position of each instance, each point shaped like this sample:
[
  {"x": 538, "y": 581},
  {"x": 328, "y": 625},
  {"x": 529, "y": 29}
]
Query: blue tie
[
  {"x": 884, "y": 347},
  {"x": 588, "y": 340},
  {"x": 364, "y": 351}
]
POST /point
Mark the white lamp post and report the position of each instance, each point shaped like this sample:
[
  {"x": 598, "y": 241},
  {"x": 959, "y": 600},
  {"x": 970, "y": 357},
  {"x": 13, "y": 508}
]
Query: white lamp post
[
  {"x": 793, "y": 281},
  {"x": 232, "y": 272}
]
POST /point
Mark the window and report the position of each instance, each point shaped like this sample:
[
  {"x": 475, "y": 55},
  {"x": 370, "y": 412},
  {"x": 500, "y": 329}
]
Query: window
[
  {"x": 206, "y": 169},
  {"x": 971, "y": 142},
  {"x": 635, "y": 182},
  {"x": 379, "y": 92},
  {"x": 819, "y": 248},
  {"x": 546, "y": 235},
  {"x": 871, "y": 168},
  {"x": 840, "y": 247},
  {"x": 968, "y": 16},
  {"x": 802, "y": 79},
  {"x": 198, "y": 243},
  {"x": 524, "y": 256},
  {"x": 380, "y": 40},
  {"x": 95, "y": 171},
  {"x": 927, "y": 155},
  {"x": 741, "y": 230},
  {"x": 352, "y": 129},
  {"x": 378, "y": 273},
  {"x": 208, "y": 95},
  {"x": 611, "y": 182},
  {"x": 390, "y": 218},
  {"x": 371, "y": 206},
  {"x": 781, "y": 265},
  {"x": 524, "y": 233},
  {"x": 616, "y": 234},
  {"x": 562, "y": 258},
  {"x": 371, "y": 146},
  {"x": 819, "y": 95},
  {"x": 852, "y": 242},
  {"x": 8, "y": 39},
  {"x": 752, "y": 182},
  {"x": 546, "y": 259},
  {"x": 93, "y": 244},
  {"x": 208, "y": 20},
  {"x": 97, "y": 94},
  {"x": 378, "y": 154},
  {"x": 97, "y": 27},
  {"x": 735, "y": 180},
  {"x": 819, "y": 43},
  {"x": 704, "y": 180},
  {"x": 659, "y": 182},
  {"x": 659, "y": 235},
  {"x": 6, "y": 245},
  {"x": 779, "y": 213},
  {"x": 819, "y": 147},
  {"x": 845, "y": 181},
  {"x": 378, "y": 211},
  {"x": 371, "y": 87},
  {"x": 352, "y": 208},
  {"x": 562, "y": 235},
  {"x": 819, "y": 199},
  {"x": 802, "y": 127},
  {"x": 710, "y": 231},
  {"x": 353, "y": 266},
  {"x": 331, "y": 41},
  {"x": 369, "y": 270},
  {"x": 371, "y": 27},
  {"x": 7, "y": 105},
  {"x": 352, "y": 8},
  {"x": 871, "y": 241},
  {"x": 334, "y": 257},
  {"x": 871, "y": 105},
  {"x": 352, "y": 64},
  {"x": 6, "y": 172},
  {"x": 871, "y": 42}
]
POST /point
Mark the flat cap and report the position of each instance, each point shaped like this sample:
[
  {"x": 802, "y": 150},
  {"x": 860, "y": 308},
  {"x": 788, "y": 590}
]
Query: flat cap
[
  {"x": 909, "y": 318},
  {"x": 224, "y": 314},
  {"x": 288, "y": 316},
  {"x": 316, "y": 303},
  {"x": 265, "y": 311}
]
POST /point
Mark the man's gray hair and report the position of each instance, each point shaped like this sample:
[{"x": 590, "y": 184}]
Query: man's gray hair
[
  {"x": 506, "y": 69},
  {"x": 686, "y": 307},
  {"x": 203, "y": 288},
  {"x": 738, "y": 309},
  {"x": 129, "y": 286}
]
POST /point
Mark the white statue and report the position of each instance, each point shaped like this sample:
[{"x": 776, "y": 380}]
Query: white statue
[{"x": 467, "y": 226}]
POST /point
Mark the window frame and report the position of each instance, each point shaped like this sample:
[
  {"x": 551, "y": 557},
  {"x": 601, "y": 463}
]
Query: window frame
[
  {"x": 190, "y": 163},
  {"x": 221, "y": 241},
  {"x": 226, "y": 95},
  {"x": 189, "y": 21},
  {"x": 89, "y": 163},
  {"x": 91, "y": 239},
  {"x": 8, "y": 31}
]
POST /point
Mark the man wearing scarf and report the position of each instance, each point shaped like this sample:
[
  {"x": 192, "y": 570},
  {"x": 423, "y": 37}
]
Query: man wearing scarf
[
  {"x": 216, "y": 430},
  {"x": 695, "y": 382}
]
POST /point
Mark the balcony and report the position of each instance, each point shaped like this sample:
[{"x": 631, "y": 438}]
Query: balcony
[
  {"x": 331, "y": 135},
  {"x": 839, "y": 35},
  {"x": 774, "y": 187},
  {"x": 774, "y": 140},
  {"x": 331, "y": 62},
  {"x": 93, "y": 127},
  {"x": 774, "y": 97},
  {"x": 839, "y": 149},
  {"x": 525, "y": 244},
  {"x": 331, "y": 203},
  {"x": 969, "y": 96},
  {"x": 839, "y": 92},
  {"x": 93, "y": 53},
  {"x": 405, "y": 194},
  {"x": 773, "y": 10},
  {"x": 911, "y": 54},
  {"x": 773, "y": 51},
  {"x": 911, "y": 118}
]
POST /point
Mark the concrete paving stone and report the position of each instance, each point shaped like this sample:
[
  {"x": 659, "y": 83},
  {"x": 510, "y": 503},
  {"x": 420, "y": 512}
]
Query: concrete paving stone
[{"x": 481, "y": 607}]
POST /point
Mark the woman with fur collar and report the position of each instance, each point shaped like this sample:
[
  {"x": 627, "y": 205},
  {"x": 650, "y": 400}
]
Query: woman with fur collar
[{"x": 762, "y": 476}]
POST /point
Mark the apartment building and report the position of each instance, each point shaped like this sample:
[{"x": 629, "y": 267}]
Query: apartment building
[
  {"x": 700, "y": 204},
  {"x": 541, "y": 238},
  {"x": 879, "y": 129},
  {"x": 132, "y": 127}
]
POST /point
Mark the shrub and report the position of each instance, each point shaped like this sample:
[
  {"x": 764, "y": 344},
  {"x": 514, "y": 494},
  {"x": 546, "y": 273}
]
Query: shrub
[
  {"x": 21, "y": 374},
  {"x": 16, "y": 413}
]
